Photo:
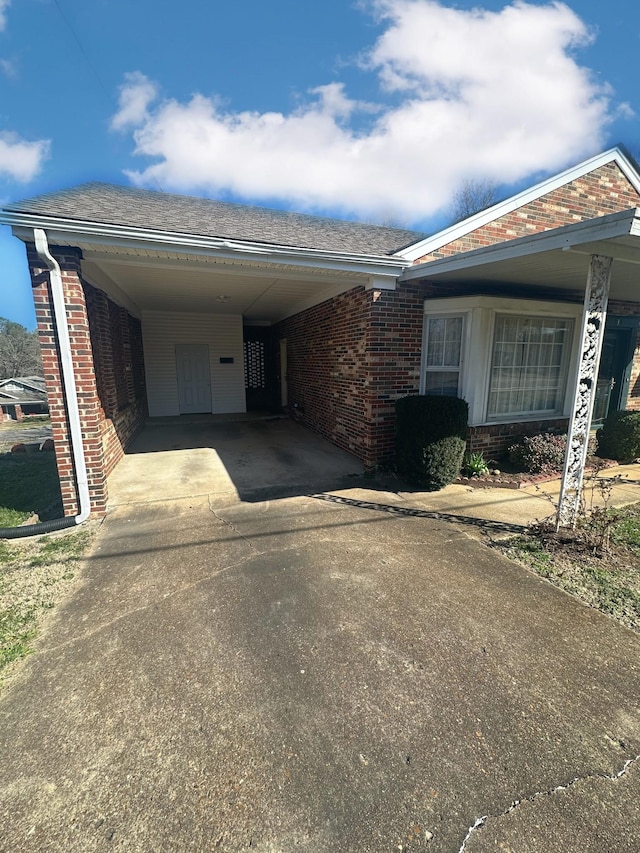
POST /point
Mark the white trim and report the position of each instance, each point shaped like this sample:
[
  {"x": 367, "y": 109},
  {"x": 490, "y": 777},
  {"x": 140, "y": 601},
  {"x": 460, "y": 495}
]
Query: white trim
[
  {"x": 444, "y": 315},
  {"x": 478, "y": 220},
  {"x": 60, "y": 231},
  {"x": 625, "y": 223},
  {"x": 480, "y": 314}
]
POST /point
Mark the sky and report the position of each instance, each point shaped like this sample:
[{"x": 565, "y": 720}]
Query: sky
[{"x": 376, "y": 110}]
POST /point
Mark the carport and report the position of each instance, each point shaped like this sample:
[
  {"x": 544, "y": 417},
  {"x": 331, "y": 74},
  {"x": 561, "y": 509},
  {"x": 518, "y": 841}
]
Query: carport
[
  {"x": 228, "y": 458},
  {"x": 171, "y": 305}
]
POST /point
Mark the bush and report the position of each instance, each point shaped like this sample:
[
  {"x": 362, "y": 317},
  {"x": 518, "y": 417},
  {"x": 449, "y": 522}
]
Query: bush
[
  {"x": 431, "y": 434},
  {"x": 539, "y": 454},
  {"x": 542, "y": 453},
  {"x": 619, "y": 437}
]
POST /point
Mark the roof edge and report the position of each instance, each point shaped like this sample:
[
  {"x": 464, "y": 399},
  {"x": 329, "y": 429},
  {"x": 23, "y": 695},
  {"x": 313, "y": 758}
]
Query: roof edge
[
  {"x": 76, "y": 228},
  {"x": 508, "y": 205},
  {"x": 621, "y": 224}
]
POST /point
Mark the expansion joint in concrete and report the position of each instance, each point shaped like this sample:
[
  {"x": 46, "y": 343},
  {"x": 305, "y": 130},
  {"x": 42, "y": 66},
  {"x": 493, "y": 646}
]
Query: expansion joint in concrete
[{"x": 480, "y": 822}]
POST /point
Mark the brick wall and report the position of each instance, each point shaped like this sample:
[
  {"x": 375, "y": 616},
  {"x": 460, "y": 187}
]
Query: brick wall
[
  {"x": 107, "y": 425},
  {"x": 349, "y": 359},
  {"x": 326, "y": 369},
  {"x": 116, "y": 341},
  {"x": 605, "y": 190}
]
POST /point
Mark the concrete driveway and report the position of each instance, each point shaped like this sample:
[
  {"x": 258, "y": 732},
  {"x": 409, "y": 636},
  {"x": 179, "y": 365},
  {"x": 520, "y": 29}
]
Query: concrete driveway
[
  {"x": 227, "y": 459},
  {"x": 306, "y": 674}
]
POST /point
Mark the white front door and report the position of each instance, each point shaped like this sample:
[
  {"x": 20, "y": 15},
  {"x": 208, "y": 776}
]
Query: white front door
[{"x": 194, "y": 378}]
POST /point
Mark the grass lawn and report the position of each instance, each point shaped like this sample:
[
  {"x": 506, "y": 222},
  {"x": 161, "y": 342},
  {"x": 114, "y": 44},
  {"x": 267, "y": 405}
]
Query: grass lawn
[
  {"x": 599, "y": 562},
  {"x": 28, "y": 484},
  {"x": 34, "y": 576}
]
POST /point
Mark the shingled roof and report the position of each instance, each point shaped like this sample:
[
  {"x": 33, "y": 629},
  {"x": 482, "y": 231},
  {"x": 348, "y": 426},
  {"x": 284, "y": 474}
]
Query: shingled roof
[{"x": 114, "y": 205}]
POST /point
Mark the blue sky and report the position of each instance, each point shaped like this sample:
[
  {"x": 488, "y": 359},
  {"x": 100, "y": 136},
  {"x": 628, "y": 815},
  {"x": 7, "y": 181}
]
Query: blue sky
[{"x": 373, "y": 110}]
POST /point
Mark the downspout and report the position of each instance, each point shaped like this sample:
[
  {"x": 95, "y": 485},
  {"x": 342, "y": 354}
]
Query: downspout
[{"x": 71, "y": 403}]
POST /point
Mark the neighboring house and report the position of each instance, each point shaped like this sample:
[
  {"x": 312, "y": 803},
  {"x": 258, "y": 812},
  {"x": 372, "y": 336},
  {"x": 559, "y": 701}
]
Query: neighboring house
[
  {"x": 180, "y": 305},
  {"x": 22, "y": 395}
]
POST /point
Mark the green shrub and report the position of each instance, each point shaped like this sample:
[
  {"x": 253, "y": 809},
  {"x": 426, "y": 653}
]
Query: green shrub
[
  {"x": 619, "y": 437},
  {"x": 431, "y": 433},
  {"x": 539, "y": 454},
  {"x": 542, "y": 453}
]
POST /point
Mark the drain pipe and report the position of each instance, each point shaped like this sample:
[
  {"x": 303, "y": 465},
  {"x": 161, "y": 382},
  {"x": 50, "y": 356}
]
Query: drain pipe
[{"x": 71, "y": 403}]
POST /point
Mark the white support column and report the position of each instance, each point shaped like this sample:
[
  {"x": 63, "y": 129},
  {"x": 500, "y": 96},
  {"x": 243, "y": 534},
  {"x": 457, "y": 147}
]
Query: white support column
[{"x": 594, "y": 315}]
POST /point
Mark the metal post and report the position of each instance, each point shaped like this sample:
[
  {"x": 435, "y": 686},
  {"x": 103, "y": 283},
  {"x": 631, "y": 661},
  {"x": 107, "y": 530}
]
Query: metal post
[{"x": 594, "y": 315}]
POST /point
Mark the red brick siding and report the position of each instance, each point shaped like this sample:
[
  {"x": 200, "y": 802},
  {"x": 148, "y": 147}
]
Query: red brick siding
[
  {"x": 349, "y": 359},
  {"x": 88, "y": 401},
  {"x": 493, "y": 440},
  {"x": 93, "y": 336},
  {"x": 116, "y": 339},
  {"x": 326, "y": 368},
  {"x": 605, "y": 190}
]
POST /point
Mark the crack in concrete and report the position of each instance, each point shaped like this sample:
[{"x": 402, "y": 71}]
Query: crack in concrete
[
  {"x": 481, "y": 821},
  {"x": 232, "y": 526},
  {"x": 156, "y": 601}
]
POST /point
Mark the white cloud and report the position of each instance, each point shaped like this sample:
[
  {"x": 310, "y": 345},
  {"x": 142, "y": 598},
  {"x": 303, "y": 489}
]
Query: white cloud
[
  {"x": 136, "y": 93},
  {"x": 8, "y": 68},
  {"x": 19, "y": 159},
  {"x": 4, "y": 5},
  {"x": 493, "y": 95}
]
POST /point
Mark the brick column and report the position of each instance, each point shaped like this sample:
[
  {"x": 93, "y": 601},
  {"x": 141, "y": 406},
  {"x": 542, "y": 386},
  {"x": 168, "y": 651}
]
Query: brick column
[{"x": 81, "y": 353}]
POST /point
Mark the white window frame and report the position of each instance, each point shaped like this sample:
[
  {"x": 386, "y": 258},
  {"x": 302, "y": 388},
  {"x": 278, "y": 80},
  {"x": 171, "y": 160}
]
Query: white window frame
[
  {"x": 538, "y": 414},
  {"x": 479, "y": 331},
  {"x": 443, "y": 315}
]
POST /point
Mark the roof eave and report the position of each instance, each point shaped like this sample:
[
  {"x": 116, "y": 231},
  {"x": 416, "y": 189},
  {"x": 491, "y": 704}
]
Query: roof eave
[
  {"x": 623, "y": 224},
  {"x": 484, "y": 217},
  {"x": 69, "y": 231}
]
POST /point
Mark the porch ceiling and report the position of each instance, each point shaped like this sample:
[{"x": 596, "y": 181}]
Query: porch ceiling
[
  {"x": 172, "y": 281},
  {"x": 557, "y": 259}
]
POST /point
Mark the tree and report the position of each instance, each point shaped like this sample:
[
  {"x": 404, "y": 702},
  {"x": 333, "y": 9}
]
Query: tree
[
  {"x": 472, "y": 197},
  {"x": 19, "y": 351}
]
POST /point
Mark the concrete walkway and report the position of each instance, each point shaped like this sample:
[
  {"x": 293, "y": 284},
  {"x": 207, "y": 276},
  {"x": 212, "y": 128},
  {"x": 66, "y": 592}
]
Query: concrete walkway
[{"x": 318, "y": 674}]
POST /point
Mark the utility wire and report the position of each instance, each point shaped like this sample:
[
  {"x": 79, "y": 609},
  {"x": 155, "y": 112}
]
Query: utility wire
[
  {"x": 76, "y": 38},
  {"x": 87, "y": 59}
]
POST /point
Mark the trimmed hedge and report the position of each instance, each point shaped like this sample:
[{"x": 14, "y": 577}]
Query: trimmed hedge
[
  {"x": 431, "y": 435},
  {"x": 619, "y": 437}
]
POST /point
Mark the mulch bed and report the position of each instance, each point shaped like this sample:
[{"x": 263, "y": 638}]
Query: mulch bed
[{"x": 520, "y": 479}]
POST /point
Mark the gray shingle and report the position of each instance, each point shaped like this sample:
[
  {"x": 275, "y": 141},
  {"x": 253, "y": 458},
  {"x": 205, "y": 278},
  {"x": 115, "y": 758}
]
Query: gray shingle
[{"x": 114, "y": 205}]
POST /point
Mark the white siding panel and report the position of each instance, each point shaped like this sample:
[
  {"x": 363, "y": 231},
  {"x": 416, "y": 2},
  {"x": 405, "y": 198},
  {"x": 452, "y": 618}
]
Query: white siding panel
[{"x": 162, "y": 330}]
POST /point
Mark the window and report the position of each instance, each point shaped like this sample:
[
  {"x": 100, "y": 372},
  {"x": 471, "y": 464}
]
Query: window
[
  {"x": 529, "y": 366},
  {"x": 443, "y": 359}
]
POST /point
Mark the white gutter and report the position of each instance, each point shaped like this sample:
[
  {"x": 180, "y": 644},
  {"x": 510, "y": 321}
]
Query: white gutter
[
  {"x": 224, "y": 247},
  {"x": 68, "y": 376}
]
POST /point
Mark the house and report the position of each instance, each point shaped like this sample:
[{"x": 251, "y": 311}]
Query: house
[
  {"x": 22, "y": 395},
  {"x": 179, "y": 305}
]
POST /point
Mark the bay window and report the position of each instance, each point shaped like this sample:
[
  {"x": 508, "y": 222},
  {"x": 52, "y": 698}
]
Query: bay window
[
  {"x": 528, "y": 370},
  {"x": 510, "y": 359}
]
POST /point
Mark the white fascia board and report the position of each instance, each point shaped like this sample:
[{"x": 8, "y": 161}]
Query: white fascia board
[
  {"x": 66, "y": 230},
  {"x": 484, "y": 217},
  {"x": 613, "y": 225}
]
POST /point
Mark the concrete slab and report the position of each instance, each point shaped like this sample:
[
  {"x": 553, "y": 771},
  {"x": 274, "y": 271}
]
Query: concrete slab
[
  {"x": 306, "y": 674},
  {"x": 227, "y": 460}
]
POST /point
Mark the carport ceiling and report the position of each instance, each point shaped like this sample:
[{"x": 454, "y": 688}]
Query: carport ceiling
[{"x": 261, "y": 292}]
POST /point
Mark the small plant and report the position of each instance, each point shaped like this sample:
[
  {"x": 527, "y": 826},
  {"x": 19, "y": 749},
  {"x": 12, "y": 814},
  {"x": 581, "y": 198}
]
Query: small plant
[
  {"x": 473, "y": 465},
  {"x": 619, "y": 437}
]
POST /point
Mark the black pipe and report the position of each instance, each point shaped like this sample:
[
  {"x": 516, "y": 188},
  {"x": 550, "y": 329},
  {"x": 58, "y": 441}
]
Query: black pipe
[{"x": 35, "y": 529}]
